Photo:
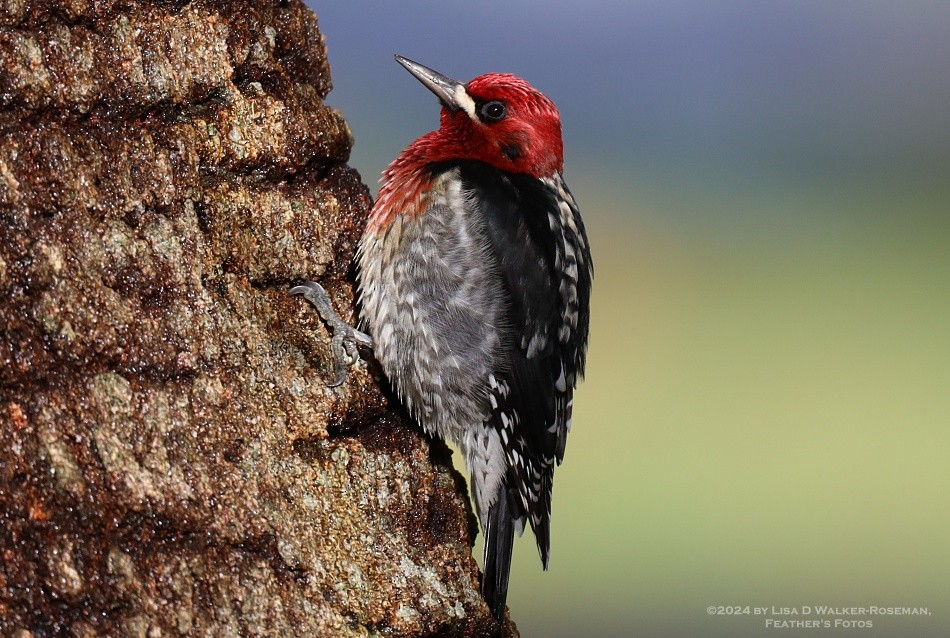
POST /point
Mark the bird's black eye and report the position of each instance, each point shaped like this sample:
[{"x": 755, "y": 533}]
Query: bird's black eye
[{"x": 492, "y": 111}]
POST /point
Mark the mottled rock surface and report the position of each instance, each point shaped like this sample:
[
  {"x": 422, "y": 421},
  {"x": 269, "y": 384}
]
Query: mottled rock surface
[{"x": 172, "y": 461}]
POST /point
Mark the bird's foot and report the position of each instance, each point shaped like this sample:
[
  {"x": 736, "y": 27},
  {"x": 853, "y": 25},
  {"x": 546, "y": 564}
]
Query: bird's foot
[{"x": 346, "y": 339}]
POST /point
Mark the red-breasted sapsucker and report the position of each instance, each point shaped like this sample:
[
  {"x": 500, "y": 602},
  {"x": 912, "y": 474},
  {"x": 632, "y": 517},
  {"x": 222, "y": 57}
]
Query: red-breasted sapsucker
[{"x": 474, "y": 277}]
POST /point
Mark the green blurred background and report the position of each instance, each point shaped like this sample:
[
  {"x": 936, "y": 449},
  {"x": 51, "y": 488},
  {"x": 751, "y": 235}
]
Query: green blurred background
[{"x": 766, "y": 186}]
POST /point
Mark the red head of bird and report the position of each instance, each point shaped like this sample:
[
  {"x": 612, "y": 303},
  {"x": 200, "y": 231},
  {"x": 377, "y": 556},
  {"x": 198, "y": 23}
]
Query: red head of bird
[{"x": 497, "y": 118}]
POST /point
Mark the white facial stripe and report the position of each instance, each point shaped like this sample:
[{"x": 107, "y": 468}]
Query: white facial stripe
[{"x": 464, "y": 100}]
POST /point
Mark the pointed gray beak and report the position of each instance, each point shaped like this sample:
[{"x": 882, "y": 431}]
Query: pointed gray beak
[{"x": 452, "y": 94}]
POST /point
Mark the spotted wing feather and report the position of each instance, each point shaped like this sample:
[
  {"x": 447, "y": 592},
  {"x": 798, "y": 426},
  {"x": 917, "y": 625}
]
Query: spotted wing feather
[{"x": 538, "y": 241}]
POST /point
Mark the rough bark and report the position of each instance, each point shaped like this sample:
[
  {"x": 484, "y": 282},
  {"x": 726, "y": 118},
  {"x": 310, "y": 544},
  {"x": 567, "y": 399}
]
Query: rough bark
[{"x": 172, "y": 461}]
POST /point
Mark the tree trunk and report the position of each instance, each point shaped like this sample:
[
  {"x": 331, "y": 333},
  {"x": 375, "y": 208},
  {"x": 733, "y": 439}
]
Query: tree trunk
[{"x": 172, "y": 461}]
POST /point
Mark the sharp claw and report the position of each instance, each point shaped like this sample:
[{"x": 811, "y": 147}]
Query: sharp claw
[
  {"x": 341, "y": 376},
  {"x": 345, "y": 338},
  {"x": 337, "y": 344}
]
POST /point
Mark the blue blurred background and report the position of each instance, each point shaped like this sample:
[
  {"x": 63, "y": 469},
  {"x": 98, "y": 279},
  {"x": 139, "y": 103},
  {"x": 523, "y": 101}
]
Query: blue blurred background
[{"x": 766, "y": 187}]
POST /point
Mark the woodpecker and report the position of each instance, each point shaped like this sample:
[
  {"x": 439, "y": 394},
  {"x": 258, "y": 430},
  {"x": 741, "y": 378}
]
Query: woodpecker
[{"x": 474, "y": 273}]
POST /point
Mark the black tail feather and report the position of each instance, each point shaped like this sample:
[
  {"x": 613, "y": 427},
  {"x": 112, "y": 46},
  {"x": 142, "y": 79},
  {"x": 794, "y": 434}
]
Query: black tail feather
[{"x": 499, "y": 538}]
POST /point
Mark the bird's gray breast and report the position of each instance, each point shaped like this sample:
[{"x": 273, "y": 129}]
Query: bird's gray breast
[{"x": 435, "y": 307}]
